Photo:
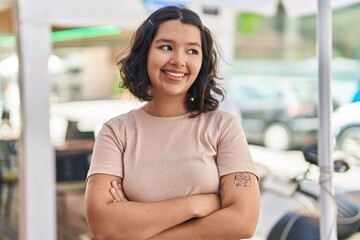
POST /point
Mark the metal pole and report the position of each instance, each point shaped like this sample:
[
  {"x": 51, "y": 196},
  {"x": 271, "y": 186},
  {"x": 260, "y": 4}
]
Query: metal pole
[{"x": 328, "y": 208}]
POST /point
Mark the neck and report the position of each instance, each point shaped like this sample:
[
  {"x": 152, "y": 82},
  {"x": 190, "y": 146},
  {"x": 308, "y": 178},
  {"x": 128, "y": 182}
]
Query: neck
[{"x": 165, "y": 109}]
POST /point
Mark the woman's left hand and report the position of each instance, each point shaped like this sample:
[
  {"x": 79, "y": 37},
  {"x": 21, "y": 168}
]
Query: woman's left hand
[{"x": 117, "y": 192}]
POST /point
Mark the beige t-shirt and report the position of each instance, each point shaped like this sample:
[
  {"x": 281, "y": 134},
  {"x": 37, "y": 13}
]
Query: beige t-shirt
[{"x": 162, "y": 158}]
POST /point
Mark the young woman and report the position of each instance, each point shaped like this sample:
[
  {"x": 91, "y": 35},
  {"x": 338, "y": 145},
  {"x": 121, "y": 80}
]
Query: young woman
[{"x": 176, "y": 168}]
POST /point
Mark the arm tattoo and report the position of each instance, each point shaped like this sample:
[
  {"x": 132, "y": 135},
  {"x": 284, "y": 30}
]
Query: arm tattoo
[
  {"x": 222, "y": 190},
  {"x": 242, "y": 179}
]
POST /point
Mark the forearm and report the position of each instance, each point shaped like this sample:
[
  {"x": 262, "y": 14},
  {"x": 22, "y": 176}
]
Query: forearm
[
  {"x": 237, "y": 219},
  {"x": 227, "y": 223},
  {"x": 137, "y": 220}
]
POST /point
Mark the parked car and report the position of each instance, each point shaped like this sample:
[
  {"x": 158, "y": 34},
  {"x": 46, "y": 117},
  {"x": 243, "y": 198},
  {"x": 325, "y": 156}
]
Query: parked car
[
  {"x": 346, "y": 128},
  {"x": 277, "y": 112}
]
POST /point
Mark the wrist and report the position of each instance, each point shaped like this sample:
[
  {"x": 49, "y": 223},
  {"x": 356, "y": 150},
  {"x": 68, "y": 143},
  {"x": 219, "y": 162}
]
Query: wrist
[
  {"x": 195, "y": 204},
  {"x": 204, "y": 204}
]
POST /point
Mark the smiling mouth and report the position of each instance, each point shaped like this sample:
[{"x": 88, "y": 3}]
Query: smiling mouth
[{"x": 173, "y": 74}]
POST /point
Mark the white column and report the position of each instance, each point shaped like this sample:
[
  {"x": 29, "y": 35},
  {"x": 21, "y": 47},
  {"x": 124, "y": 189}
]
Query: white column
[
  {"x": 37, "y": 206},
  {"x": 328, "y": 206}
]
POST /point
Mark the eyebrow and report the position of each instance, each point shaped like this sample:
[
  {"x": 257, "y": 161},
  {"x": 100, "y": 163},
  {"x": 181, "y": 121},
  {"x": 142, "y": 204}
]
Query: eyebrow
[{"x": 172, "y": 41}]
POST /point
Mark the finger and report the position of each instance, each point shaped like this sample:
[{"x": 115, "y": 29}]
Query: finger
[
  {"x": 114, "y": 192},
  {"x": 119, "y": 191},
  {"x": 115, "y": 195},
  {"x": 115, "y": 185}
]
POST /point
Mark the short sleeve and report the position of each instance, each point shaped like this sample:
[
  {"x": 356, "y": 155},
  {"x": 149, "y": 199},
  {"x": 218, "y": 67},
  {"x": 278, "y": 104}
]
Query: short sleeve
[
  {"x": 107, "y": 157},
  {"x": 233, "y": 151}
]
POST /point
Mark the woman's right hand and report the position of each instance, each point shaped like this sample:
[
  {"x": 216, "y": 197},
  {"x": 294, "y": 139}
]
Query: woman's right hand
[{"x": 117, "y": 192}]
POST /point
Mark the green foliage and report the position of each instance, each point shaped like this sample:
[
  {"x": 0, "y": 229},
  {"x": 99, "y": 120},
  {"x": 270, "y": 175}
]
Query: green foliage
[
  {"x": 249, "y": 23},
  {"x": 116, "y": 88}
]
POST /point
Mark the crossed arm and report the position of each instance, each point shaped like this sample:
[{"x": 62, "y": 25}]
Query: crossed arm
[{"x": 203, "y": 216}]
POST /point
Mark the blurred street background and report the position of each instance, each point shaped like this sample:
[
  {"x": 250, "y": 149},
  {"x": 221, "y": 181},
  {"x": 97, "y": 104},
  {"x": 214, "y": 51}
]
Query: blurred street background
[{"x": 270, "y": 73}]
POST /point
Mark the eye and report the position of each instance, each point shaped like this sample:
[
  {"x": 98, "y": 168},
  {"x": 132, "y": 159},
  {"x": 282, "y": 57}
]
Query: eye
[
  {"x": 193, "y": 51},
  {"x": 166, "y": 47}
]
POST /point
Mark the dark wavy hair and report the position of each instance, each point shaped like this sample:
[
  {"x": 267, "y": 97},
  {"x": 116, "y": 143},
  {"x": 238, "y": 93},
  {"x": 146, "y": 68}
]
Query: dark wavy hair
[{"x": 204, "y": 94}]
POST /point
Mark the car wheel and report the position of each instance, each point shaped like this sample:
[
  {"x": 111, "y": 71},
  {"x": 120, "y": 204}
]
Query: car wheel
[
  {"x": 277, "y": 136},
  {"x": 349, "y": 143}
]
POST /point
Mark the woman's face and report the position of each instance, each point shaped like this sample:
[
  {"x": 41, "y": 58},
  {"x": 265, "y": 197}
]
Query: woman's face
[{"x": 174, "y": 59}]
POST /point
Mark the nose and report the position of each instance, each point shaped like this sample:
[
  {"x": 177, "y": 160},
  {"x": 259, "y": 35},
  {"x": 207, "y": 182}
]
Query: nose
[{"x": 177, "y": 60}]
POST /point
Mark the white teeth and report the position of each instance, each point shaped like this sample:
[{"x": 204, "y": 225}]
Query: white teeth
[{"x": 175, "y": 74}]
